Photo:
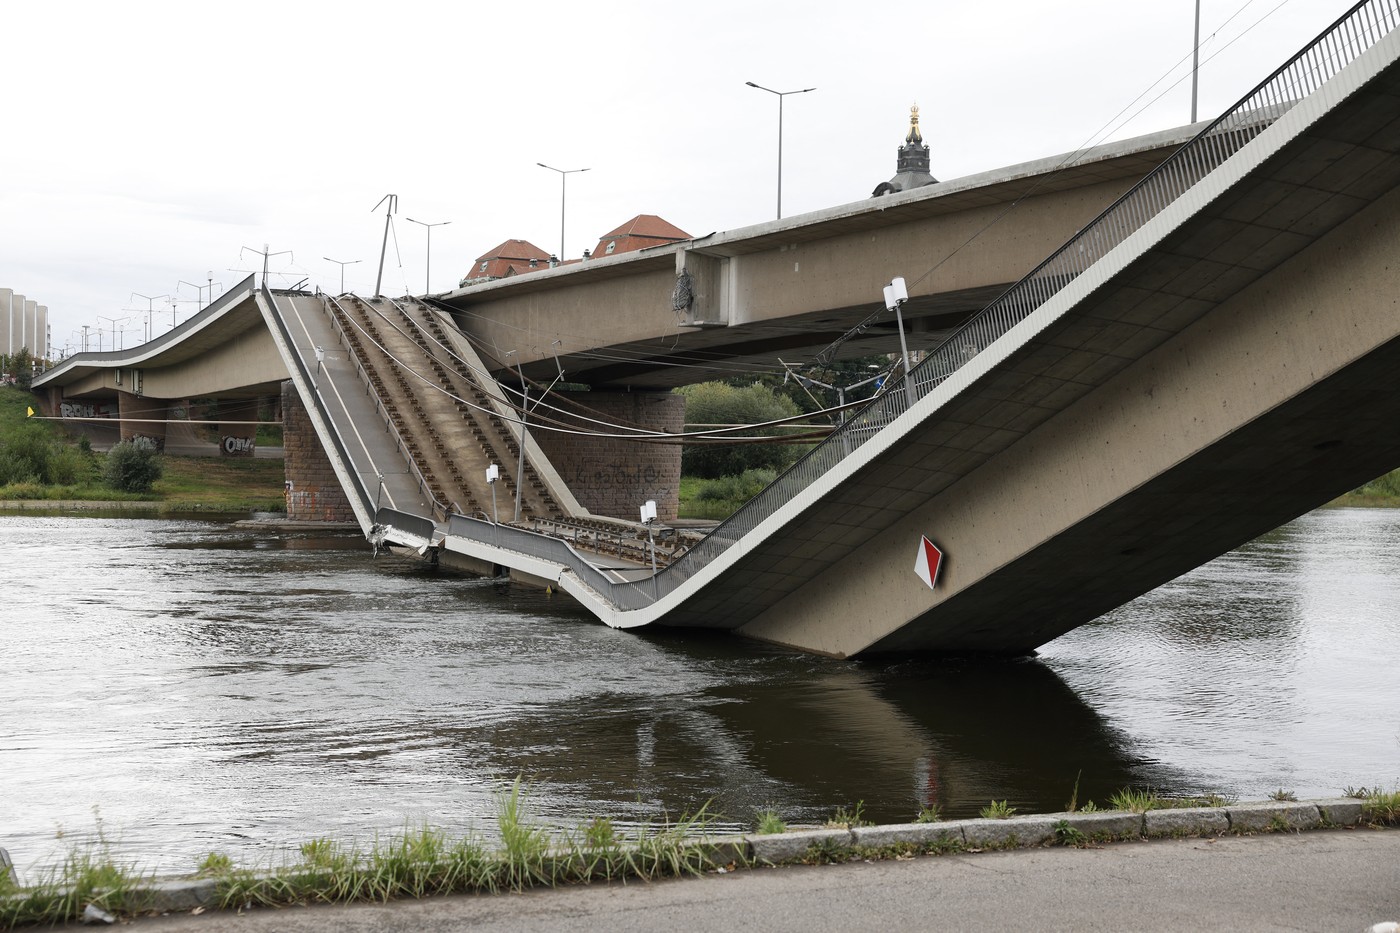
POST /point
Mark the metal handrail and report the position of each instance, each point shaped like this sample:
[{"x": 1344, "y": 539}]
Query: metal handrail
[{"x": 319, "y": 401}]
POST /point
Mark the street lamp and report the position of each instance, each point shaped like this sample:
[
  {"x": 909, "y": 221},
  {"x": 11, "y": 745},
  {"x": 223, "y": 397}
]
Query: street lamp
[
  {"x": 115, "y": 321},
  {"x": 150, "y": 309},
  {"x": 563, "y": 190},
  {"x": 780, "y": 95},
  {"x": 649, "y": 519},
  {"x": 427, "y": 278},
  {"x": 342, "y": 264},
  {"x": 493, "y": 473},
  {"x": 897, "y": 294}
]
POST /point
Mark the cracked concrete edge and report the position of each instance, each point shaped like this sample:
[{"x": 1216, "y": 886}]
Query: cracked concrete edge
[{"x": 1015, "y": 832}]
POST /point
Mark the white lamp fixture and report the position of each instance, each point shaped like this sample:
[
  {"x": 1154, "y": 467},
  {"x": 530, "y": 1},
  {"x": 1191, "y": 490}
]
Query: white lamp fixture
[{"x": 895, "y": 295}]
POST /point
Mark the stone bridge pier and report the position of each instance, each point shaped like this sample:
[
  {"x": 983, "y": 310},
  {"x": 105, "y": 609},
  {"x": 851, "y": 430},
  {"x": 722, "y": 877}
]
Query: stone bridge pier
[{"x": 609, "y": 475}]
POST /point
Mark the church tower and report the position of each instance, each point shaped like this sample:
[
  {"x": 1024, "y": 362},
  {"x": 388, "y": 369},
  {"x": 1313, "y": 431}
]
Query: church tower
[{"x": 912, "y": 161}]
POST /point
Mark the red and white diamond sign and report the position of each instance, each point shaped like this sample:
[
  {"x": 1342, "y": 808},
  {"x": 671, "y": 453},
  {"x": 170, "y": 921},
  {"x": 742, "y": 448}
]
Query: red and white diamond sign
[{"x": 929, "y": 562}]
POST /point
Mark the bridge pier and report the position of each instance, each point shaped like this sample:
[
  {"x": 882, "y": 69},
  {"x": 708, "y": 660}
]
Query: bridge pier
[
  {"x": 147, "y": 418},
  {"x": 313, "y": 491},
  {"x": 612, "y": 476}
]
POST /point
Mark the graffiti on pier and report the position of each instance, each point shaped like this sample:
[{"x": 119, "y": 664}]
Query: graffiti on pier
[
  {"x": 85, "y": 410},
  {"x": 238, "y": 446},
  {"x": 617, "y": 474}
]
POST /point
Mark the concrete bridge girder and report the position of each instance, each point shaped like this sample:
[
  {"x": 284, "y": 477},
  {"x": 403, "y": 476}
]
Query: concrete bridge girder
[{"x": 787, "y": 289}]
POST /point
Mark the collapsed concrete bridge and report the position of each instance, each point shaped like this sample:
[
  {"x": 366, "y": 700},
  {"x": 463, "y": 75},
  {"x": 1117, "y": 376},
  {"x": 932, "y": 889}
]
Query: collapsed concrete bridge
[{"x": 1210, "y": 356}]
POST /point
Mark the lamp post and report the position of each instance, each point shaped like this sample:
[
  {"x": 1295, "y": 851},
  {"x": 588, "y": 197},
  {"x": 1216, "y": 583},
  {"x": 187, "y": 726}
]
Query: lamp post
[
  {"x": 895, "y": 295},
  {"x": 1195, "y": 59},
  {"x": 493, "y": 473},
  {"x": 150, "y": 309},
  {"x": 563, "y": 190},
  {"x": 780, "y": 95},
  {"x": 649, "y": 519},
  {"x": 342, "y": 264},
  {"x": 114, "y": 321},
  {"x": 427, "y": 278}
]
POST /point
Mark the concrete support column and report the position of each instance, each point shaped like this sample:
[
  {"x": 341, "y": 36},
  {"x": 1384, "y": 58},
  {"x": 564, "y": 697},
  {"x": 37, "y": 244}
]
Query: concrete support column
[
  {"x": 613, "y": 477},
  {"x": 237, "y": 437},
  {"x": 142, "y": 418},
  {"x": 313, "y": 491}
]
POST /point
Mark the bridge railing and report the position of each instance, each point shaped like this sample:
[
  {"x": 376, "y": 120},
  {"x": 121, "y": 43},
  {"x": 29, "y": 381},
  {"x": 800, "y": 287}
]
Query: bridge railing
[
  {"x": 1346, "y": 40},
  {"x": 360, "y": 489}
]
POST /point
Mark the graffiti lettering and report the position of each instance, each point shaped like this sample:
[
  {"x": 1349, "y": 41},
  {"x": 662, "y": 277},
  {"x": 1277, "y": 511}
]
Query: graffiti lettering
[
  {"x": 84, "y": 410},
  {"x": 237, "y": 445},
  {"x": 617, "y": 474}
]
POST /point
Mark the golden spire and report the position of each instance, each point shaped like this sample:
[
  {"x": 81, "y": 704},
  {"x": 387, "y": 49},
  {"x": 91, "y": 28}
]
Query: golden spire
[{"x": 914, "y": 135}]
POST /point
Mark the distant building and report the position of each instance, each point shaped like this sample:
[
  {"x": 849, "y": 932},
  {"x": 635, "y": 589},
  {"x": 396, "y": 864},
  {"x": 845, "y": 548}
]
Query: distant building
[
  {"x": 518, "y": 257},
  {"x": 24, "y": 324},
  {"x": 912, "y": 162},
  {"x": 513, "y": 257},
  {"x": 638, "y": 233}
]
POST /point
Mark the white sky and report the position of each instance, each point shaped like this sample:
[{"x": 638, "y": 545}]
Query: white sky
[{"x": 145, "y": 143}]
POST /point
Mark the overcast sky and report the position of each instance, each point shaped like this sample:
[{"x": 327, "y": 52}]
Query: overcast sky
[{"x": 148, "y": 143}]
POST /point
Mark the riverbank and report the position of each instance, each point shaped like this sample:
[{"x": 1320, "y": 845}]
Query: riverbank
[
  {"x": 414, "y": 868},
  {"x": 1331, "y": 880}
]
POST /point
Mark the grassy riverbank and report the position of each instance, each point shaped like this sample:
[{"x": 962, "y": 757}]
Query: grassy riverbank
[
  {"x": 427, "y": 862},
  {"x": 42, "y": 463}
]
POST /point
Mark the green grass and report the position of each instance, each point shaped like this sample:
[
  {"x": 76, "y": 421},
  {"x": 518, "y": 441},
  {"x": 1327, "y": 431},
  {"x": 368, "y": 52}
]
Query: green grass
[
  {"x": 210, "y": 484},
  {"x": 769, "y": 823},
  {"x": 929, "y": 814},
  {"x": 417, "y": 863},
  {"x": 997, "y": 810},
  {"x": 847, "y": 819}
]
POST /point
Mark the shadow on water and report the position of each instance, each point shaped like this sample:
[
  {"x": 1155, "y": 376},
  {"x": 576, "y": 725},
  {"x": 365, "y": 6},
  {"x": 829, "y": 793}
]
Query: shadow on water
[{"x": 805, "y": 735}]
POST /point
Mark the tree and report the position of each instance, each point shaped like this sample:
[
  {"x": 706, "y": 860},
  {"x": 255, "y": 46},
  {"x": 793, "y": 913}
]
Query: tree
[
  {"x": 24, "y": 368},
  {"x": 718, "y": 403}
]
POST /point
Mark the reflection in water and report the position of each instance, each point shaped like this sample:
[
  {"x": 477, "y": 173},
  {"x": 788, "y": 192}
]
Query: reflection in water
[{"x": 240, "y": 691}]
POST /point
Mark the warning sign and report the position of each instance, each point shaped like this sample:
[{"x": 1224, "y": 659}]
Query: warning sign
[{"x": 929, "y": 562}]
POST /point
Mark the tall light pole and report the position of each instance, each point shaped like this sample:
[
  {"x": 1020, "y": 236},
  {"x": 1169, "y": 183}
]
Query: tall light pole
[
  {"x": 780, "y": 95},
  {"x": 563, "y": 192},
  {"x": 115, "y": 321},
  {"x": 342, "y": 264},
  {"x": 428, "y": 277},
  {"x": 1195, "y": 59},
  {"x": 150, "y": 309}
]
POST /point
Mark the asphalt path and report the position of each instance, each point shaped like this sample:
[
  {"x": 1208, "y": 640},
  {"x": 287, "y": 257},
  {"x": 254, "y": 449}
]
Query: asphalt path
[{"x": 1343, "y": 880}]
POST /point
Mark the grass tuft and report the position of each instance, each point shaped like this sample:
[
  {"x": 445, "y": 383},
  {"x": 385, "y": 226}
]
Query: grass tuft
[
  {"x": 997, "y": 810},
  {"x": 769, "y": 823}
]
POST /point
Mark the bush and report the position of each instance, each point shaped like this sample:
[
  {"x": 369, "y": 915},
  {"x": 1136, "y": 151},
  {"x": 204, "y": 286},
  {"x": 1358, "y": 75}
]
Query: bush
[
  {"x": 25, "y": 457},
  {"x": 739, "y": 488},
  {"x": 132, "y": 466},
  {"x": 717, "y": 403}
]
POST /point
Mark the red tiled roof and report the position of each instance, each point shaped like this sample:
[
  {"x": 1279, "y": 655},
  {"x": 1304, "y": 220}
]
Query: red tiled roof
[
  {"x": 514, "y": 249},
  {"x": 649, "y": 225},
  {"x": 638, "y": 233}
]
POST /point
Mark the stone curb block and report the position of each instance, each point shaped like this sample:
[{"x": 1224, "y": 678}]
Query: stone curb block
[
  {"x": 1016, "y": 831},
  {"x": 184, "y": 895},
  {"x": 721, "y": 850},
  {"x": 1339, "y": 811},
  {"x": 1115, "y": 823},
  {"x": 783, "y": 847},
  {"x": 1261, "y": 817},
  {"x": 1189, "y": 821},
  {"x": 919, "y": 834}
]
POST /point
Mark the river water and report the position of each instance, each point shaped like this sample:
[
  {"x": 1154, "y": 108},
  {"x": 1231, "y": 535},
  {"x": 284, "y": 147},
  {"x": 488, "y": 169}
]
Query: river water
[{"x": 194, "y": 687}]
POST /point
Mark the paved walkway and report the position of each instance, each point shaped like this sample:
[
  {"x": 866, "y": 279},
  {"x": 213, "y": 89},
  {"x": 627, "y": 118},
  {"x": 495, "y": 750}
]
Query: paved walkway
[{"x": 1342, "y": 880}]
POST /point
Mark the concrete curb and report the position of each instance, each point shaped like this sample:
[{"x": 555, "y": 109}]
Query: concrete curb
[{"x": 961, "y": 835}]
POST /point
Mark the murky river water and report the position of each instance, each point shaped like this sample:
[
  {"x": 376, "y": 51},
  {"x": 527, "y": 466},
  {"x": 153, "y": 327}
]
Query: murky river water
[{"x": 205, "y": 688}]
